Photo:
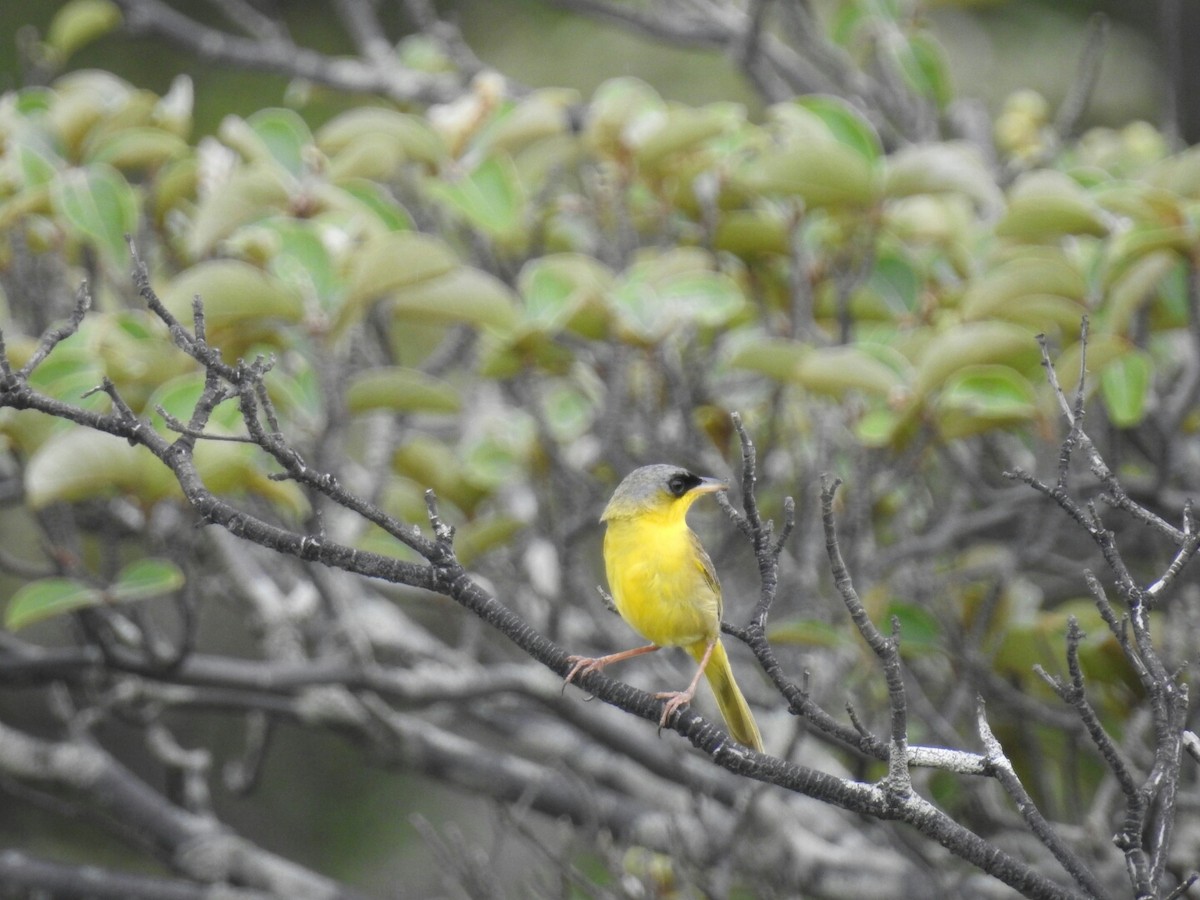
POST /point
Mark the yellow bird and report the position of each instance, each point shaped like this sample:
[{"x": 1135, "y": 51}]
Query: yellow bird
[{"x": 665, "y": 587}]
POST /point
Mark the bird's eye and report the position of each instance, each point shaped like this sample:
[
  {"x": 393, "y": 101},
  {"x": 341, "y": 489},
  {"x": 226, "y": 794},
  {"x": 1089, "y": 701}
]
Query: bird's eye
[{"x": 678, "y": 485}]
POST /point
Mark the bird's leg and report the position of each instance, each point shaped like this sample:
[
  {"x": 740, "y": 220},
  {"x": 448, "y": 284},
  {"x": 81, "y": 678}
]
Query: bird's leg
[
  {"x": 676, "y": 699},
  {"x": 582, "y": 665}
]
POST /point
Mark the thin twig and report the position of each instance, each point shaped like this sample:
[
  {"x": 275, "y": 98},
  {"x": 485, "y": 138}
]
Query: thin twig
[
  {"x": 885, "y": 648},
  {"x": 1087, "y": 74},
  {"x": 55, "y": 336},
  {"x": 1004, "y": 773}
]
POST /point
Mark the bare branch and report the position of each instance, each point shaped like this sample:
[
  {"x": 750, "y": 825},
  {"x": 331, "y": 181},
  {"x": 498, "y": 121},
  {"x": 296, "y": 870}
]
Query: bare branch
[
  {"x": 55, "y": 336},
  {"x": 1005, "y": 774},
  {"x": 886, "y": 649},
  {"x": 279, "y": 55},
  {"x": 197, "y": 845},
  {"x": 1087, "y": 73}
]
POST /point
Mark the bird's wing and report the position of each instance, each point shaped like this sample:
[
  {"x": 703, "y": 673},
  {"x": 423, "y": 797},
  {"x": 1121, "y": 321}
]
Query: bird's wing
[{"x": 707, "y": 569}]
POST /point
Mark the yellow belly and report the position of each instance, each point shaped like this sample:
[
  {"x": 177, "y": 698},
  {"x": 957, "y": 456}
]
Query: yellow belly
[{"x": 658, "y": 583}]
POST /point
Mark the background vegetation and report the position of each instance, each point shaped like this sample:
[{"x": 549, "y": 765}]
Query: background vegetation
[{"x": 244, "y": 644}]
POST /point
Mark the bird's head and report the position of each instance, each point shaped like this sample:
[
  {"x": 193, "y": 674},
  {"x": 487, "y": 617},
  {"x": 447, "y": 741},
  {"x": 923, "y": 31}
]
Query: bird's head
[{"x": 660, "y": 490}]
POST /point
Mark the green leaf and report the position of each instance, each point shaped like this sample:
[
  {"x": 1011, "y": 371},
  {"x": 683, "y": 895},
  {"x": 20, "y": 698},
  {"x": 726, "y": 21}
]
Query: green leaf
[
  {"x": 400, "y": 390},
  {"x": 178, "y": 398},
  {"x": 845, "y": 124},
  {"x": 501, "y": 455},
  {"x": 706, "y": 298},
  {"x": 980, "y": 398},
  {"x": 1137, "y": 286},
  {"x": 1024, "y": 290},
  {"x": 1046, "y": 204},
  {"x": 564, "y": 288},
  {"x": 79, "y": 464},
  {"x": 303, "y": 262},
  {"x": 67, "y": 372},
  {"x": 1130, "y": 247},
  {"x": 922, "y": 60},
  {"x": 776, "y": 358},
  {"x": 235, "y": 293},
  {"x": 950, "y": 167},
  {"x": 370, "y": 142},
  {"x": 658, "y": 137},
  {"x": 64, "y": 376},
  {"x": 480, "y": 535},
  {"x": 464, "y": 295},
  {"x": 569, "y": 412},
  {"x": 379, "y": 200},
  {"x": 285, "y": 135},
  {"x": 920, "y": 631},
  {"x": 38, "y": 165},
  {"x": 973, "y": 343},
  {"x": 894, "y": 283},
  {"x": 79, "y": 22},
  {"x": 879, "y": 426},
  {"x": 821, "y": 174},
  {"x": 33, "y": 102},
  {"x": 542, "y": 114},
  {"x": 135, "y": 148},
  {"x": 101, "y": 207},
  {"x": 525, "y": 346},
  {"x": 832, "y": 371},
  {"x": 1173, "y": 306},
  {"x": 49, "y": 597},
  {"x": 85, "y": 100},
  {"x": 426, "y": 284},
  {"x": 1125, "y": 386},
  {"x": 393, "y": 260},
  {"x": 490, "y": 197},
  {"x": 432, "y": 464},
  {"x": 30, "y": 206},
  {"x": 664, "y": 291},
  {"x": 1101, "y": 350},
  {"x": 1039, "y": 218},
  {"x": 130, "y": 347},
  {"x": 146, "y": 579},
  {"x": 749, "y": 232},
  {"x": 252, "y": 192},
  {"x": 46, "y": 598},
  {"x": 615, "y": 104},
  {"x": 1179, "y": 174},
  {"x": 807, "y": 633}
]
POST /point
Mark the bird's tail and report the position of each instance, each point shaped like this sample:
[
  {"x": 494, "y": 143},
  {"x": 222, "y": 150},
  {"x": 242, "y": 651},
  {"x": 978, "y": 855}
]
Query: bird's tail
[{"x": 738, "y": 718}]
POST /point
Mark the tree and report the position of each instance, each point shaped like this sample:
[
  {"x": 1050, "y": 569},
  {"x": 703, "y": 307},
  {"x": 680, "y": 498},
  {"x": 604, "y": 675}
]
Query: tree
[{"x": 408, "y": 354}]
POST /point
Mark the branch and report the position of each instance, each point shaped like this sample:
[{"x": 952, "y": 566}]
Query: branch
[
  {"x": 272, "y": 51},
  {"x": 1128, "y": 839},
  {"x": 196, "y": 845},
  {"x": 39, "y": 877},
  {"x": 1087, "y": 74},
  {"x": 1004, "y": 773},
  {"x": 54, "y": 336},
  {"x": 1150, "y": 808},
  {"x": 443, "y": 574},
  {"x": 886, "y": 649}
]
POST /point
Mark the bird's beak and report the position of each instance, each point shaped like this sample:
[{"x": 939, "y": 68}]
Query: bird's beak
[{"x": 710, "y": 486}]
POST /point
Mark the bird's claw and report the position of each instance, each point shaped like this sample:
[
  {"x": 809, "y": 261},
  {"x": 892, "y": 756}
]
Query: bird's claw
[
  {"x": 675, "y": 700},
  {"x": 581, "y": 665}
]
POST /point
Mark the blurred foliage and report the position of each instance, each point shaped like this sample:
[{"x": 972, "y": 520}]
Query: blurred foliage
[
  {"x": 557, "y": 236},
  {"x": 143, "y": 579}
]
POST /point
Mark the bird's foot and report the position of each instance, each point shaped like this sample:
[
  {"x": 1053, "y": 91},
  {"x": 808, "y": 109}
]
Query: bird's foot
[
  {"x": 582, "y": 665},
  {"x": 675, "y": 699}
]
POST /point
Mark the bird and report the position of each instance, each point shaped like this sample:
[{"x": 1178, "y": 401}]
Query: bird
[{"x": 665, "y": 587}]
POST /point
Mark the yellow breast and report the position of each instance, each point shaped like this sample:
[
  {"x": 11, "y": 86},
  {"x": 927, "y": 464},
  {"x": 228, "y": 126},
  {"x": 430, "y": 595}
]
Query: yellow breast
[{"x": 658, "y": 581}]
